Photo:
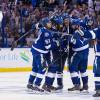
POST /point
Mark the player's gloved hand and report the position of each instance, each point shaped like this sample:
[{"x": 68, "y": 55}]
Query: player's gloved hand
[
  {"x": 48, "y": 46},
  {"x": 72, "y": 39}
]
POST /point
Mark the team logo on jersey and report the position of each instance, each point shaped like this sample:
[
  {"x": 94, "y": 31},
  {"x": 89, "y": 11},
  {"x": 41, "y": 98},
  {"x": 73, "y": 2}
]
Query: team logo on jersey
[{"x": 46, "y": 34}]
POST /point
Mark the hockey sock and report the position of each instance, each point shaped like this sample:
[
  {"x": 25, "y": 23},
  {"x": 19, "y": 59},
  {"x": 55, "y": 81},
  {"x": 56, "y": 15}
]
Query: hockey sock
[
  {"x": 31, "y": 79},
  {"x": 84, "y": 77},
  {"x": 85, "y": 80},
  {"x": 76, "y": 80},
  {"x": 60, "y": 79},
  {"x": 38, "y": 81},
  {"x": 39, "y": 78},
  {"x": 49, "y": 81},
  {"x": 97, "y": 81},
  {"x": 97, "y": 85}
]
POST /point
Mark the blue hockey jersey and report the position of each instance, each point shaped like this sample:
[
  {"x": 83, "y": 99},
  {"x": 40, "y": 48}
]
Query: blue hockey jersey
[
  {"x": 56, "y": 40},
  {"x": 86, "y": 33},
  {"x": 79, "y": 43},
  {"x": 97, "y": 45},
  {"x": 60, "y": 41},
  {"x": 93, "y": 34},
  {"x": 43, "y": 43}
]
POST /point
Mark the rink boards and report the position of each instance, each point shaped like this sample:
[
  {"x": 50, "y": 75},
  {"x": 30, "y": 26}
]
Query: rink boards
[{"x": 20, "y": 59}]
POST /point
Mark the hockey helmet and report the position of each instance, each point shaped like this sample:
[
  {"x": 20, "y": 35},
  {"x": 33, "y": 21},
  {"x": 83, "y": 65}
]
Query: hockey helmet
[{"x": 46, "y": 22}]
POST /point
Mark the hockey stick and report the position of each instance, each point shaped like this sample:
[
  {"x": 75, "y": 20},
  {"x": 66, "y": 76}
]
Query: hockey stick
[
  {"x": 61, "y": 53},
  {"x": 14, "y": 44},
  {"x": 94, "y": 5}
]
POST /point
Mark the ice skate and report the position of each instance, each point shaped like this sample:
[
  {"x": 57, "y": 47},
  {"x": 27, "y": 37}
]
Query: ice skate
[
  {"x": 30, "y": 87},
  {"x": 48, "y": 88},
  {"x": 45, "y": 88},
  {"x": 74, "y": 89},
  {"x": 97, "y": 94},
  {"x": 84, "y": 89},
  {"x": 34, "y": 88},
  {"x": 59, "y": 87}
]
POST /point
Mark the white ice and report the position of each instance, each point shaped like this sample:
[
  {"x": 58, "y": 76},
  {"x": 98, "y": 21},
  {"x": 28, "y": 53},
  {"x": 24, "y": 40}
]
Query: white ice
[{"x": 13, "y": 87}]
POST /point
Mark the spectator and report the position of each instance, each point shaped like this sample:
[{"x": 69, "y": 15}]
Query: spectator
[{"x": 40, "y": 9}]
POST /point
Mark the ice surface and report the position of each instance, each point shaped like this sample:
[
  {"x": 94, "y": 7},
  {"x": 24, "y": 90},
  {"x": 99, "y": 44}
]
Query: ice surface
[{"x": 13, "y": 87}]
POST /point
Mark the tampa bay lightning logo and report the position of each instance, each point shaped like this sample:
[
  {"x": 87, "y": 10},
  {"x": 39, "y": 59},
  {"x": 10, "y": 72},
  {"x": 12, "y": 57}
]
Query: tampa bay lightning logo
[{"x": 46, "y": 34}]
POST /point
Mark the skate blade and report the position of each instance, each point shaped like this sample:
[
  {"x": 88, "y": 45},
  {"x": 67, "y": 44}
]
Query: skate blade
[
  {"x": 46, "y": 92},
  {"x": 75, "y": 92},
  {"x": 85, "y": 92},
  {"x": 57, "y": 91},
  {"x": 30, "y": 91}
]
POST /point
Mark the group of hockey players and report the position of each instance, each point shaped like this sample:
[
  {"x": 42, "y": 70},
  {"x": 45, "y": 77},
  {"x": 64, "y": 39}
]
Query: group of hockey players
[{"x": 62, "y": 38}]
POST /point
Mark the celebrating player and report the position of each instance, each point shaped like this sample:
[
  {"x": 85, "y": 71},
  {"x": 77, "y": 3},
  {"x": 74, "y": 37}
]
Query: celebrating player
[{"x": 40, "y": 49}]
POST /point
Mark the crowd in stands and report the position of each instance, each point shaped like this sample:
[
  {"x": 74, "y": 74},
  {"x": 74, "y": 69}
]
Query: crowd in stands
[{"x": 20, "y": 15}]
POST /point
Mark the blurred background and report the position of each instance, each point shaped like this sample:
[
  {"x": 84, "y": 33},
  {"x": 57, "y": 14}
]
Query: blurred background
[{"x": 19, "y": 16}]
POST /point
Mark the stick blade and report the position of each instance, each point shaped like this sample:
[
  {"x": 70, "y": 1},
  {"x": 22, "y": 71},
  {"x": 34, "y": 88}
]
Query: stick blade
[{"x": 13, "y": 46}]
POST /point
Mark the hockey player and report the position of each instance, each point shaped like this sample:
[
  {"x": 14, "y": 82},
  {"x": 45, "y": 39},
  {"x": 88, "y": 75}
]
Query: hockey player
[
  {"x": 68, "y": 29},
  {"x": 40, "y": 49},
  {"x": 79, "y": 60},
  {"x": 96, "y": 68},
  {"x": 62, "y": 49},
  {"x": 95, "y": 35},
  {"x": 58, "y": 58}
]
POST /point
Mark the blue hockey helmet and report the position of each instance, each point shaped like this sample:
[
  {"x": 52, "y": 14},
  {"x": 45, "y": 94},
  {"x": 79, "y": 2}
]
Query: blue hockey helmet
[
  {"x": 65, "y": 16},
  {"x": 75, "y": 22},
  {"x": 45, "y": 21},
  {"x": 89, "y": 22},
  {"x": 33, "y": 27},
  {"x": 58, "y": 20}
]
